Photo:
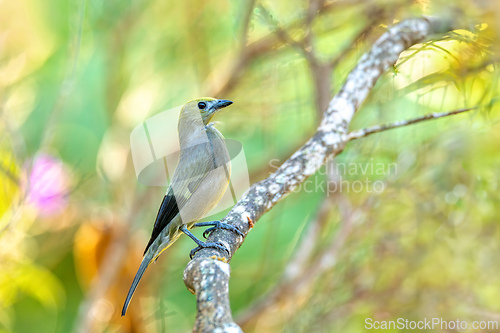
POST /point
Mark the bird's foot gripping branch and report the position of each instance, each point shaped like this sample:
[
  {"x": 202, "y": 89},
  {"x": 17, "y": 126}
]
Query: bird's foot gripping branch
[
  {"x": 215, "y": 245},
  {"x": 217, "y": 225}
]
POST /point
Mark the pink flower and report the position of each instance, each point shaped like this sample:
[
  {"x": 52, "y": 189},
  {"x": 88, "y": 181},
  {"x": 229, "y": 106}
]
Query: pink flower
[{"x": 47, "y": 184}]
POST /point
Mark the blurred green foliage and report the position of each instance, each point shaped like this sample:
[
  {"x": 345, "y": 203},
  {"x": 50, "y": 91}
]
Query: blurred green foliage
[{"x": 77, "y": 76}]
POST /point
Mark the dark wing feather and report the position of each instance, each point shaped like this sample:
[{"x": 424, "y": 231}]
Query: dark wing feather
[{"x": 166, "y": 213}]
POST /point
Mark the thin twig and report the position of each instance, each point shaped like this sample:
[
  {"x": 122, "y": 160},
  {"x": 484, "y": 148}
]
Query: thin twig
[
  {"x": 68, "y": 82},
  {"x": 380, "y": 128},
  {"x": 219, "y": 87},
  {"x": 247, "y": 18},
  {"x": 284, "y": 36},
  {"x": 10, "y": 175}
]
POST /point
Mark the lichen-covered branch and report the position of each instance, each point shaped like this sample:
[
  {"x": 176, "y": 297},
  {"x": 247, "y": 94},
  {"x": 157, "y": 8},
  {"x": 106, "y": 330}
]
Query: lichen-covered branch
[
  {"x": 309, "y": 262},
  {"x": 207, "y": 275}
]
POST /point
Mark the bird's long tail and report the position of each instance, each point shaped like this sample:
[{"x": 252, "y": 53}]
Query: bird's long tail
[{"x": 142, "y": 268}]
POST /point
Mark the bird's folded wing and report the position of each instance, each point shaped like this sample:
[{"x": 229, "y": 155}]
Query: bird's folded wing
[
  {"x": 166, "y": 213},
  {"x": 195, "y": 164}
]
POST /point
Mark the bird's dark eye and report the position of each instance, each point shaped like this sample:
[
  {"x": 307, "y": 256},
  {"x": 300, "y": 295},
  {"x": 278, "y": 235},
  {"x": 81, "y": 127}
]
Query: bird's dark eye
[{"x": 202, "y": 105}]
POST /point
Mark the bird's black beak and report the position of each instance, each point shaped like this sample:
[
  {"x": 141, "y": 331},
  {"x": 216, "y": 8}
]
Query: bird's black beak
[{"x": 222, "y": 103}]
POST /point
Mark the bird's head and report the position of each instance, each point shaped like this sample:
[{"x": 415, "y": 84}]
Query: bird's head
[{"x": 206, "y": 107}]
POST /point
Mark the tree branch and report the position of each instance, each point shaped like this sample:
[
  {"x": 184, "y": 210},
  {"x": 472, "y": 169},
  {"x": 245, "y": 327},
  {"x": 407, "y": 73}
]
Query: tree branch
[
  {"x": 304, "y": 268},
  {"x": 207, "y": 275},
  {"x": 381, "y": 128},
  {"x": 219, "y": 86}
]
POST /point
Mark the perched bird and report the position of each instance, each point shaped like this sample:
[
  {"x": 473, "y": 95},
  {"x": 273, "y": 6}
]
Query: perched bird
[{"x": 198, "y": 184}]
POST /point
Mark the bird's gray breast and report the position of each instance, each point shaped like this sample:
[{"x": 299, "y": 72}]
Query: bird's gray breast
[
  {"x": 218, "y": 149},
  {"x": 202, "y": 176}
]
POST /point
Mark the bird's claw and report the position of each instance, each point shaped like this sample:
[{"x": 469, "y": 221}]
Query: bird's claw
[
  {"x": 221, "y": 225},
  {"x": 208, "y": 231},
  {"x": 214, "y": 245}
]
